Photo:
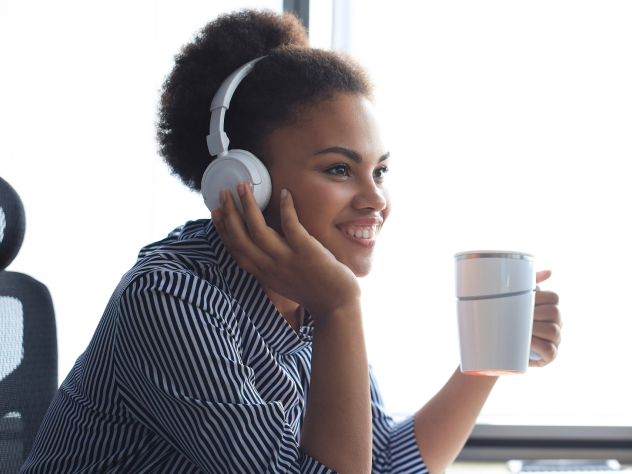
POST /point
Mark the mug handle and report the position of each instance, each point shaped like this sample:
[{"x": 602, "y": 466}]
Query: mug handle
[{"x": 532, "y": 354}]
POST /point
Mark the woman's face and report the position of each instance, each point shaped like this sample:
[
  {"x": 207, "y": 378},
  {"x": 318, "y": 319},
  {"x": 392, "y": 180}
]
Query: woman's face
[{"x": 334, "y": 164}]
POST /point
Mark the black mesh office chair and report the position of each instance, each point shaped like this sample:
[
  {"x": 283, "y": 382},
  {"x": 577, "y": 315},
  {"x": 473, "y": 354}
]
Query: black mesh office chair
[{"x": 28, "y": 343}]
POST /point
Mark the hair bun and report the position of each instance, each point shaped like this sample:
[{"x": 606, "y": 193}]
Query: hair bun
[
  {"x": 218, "y": 49},
  {"x": 233, "y": 39}
]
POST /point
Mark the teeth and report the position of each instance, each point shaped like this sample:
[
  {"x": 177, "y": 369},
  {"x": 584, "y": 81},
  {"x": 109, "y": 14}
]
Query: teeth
[{"x": 365, "y": 232}]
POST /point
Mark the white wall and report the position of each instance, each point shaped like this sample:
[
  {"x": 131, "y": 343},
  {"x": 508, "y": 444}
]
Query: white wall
[{"x": 78, "y": 92}]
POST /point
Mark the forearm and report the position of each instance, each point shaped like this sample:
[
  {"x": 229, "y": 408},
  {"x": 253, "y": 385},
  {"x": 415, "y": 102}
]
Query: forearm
[
  {"x": 337, "y": 425},
  {"x": 443, "y": 425}
]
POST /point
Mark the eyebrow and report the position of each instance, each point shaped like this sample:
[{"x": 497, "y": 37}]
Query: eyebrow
[{"x": 354, "y": 155}]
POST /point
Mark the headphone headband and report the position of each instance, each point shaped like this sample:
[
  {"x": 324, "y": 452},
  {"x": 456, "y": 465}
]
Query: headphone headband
[{"x": 217, "y": 140}]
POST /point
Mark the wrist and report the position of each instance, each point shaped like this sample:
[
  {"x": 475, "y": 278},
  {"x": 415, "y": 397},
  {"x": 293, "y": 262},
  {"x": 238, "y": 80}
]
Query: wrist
[{"x": 349, "y": 310}]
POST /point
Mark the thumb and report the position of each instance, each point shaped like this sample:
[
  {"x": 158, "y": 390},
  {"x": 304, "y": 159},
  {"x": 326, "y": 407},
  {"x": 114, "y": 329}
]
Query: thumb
[{"x": 542, "y": 276}]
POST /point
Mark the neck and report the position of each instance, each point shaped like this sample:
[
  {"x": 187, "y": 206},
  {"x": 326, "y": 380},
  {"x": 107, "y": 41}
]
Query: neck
[{"x": 292, "y": 312}]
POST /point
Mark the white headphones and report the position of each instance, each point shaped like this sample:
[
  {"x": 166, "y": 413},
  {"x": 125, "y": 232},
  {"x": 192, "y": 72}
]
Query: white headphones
[{"x": 232, "y": 167}]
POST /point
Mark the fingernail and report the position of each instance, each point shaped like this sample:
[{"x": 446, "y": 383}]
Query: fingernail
[
  {"x": 216, "y": 215},
  {"x": 283, "y": 193},
  {"x": 241, "y": 189},
  {"x": 222, "y": 197}
]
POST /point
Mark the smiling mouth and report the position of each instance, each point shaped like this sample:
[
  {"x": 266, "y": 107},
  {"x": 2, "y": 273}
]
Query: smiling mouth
[{"x": 368, "y": 232}]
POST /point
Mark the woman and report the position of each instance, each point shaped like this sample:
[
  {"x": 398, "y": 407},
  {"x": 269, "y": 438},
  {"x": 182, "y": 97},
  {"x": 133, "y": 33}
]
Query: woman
[{"x": 212, "y": 342}]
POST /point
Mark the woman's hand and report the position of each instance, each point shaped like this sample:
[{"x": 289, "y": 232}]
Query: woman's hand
[
  {"x": 295, "y": 265},
  {"x": 547, "y": 324}
]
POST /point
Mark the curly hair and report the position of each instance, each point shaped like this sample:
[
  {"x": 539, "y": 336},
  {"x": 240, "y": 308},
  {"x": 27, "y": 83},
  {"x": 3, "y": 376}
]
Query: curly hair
[{"x": 291, "y": 77}]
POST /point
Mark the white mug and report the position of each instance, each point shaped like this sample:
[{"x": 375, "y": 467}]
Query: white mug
[{"x": 495, "y": 292}]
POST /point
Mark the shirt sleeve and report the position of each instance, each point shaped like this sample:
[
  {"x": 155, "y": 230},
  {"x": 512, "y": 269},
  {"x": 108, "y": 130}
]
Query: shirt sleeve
[
  {"x": 394, "y": 446},
  {"x": 179, "y": 372}
]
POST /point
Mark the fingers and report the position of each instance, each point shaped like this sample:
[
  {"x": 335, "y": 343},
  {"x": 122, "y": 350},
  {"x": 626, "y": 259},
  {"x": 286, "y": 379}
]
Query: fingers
[
  {"x": 546, "y": 297},
  {"x": 550, "y": 332},
  {"x": 548, "y": 312},
  {"x": 220, "y": 224},
  {"x": 234, "y": 235},
  {"x": 262, "y": 235},
  {"x": 547, "y": 328},
  {"x": 252, "y": 213},
  {"x": 546, "y": 349},
  {"x": 232, "y": 220},
  {"x": 542, "y": 276},
  {"x": 294, "y": 232}
]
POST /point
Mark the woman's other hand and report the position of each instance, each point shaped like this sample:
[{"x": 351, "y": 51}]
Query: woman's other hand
[
  {"x": 294, "y": 265},
  {"x": 547, "y": 324}
]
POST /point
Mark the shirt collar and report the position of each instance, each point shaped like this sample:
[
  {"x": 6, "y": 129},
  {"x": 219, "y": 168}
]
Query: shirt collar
[{"x": 272, "y": 327}]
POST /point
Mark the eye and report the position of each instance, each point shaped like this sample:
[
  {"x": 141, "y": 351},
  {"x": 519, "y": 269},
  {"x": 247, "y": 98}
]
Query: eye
[
  {"x": 380, "y": 172},
  {"x": 339, "y": 170}
]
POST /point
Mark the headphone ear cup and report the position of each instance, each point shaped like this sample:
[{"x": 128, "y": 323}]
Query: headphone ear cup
[
  {"x": 227, "y": 172},
  {"x": 262, "y": 192}
]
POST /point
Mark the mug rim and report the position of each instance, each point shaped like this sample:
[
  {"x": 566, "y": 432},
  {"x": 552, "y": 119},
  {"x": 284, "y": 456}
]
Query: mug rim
[{"x": 493, "y": 254}]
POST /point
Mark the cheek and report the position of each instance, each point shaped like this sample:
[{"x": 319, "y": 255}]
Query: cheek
[{"x": 317, "y": 204}]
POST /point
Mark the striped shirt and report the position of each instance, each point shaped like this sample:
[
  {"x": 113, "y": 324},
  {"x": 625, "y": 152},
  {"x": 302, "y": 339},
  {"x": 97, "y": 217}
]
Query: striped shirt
[{"x": 193, "y": 370}]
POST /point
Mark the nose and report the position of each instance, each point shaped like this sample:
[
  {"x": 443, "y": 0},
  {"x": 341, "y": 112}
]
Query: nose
[{"x": 370, "y": 196}]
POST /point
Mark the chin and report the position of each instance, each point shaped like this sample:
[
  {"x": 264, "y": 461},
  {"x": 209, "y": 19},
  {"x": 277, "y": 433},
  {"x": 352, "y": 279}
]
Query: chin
[{"x": 360, "y": 269}]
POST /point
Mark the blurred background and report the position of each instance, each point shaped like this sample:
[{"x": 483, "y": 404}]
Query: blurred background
[{"x": 509, "y": 125}]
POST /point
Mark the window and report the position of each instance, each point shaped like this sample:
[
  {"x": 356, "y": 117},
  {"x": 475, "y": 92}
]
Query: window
[{"x": 509, "y": 128}]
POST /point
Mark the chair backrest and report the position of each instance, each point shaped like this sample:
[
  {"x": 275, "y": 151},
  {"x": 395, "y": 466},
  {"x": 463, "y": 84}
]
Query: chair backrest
[{"x": 28, "y": 343}]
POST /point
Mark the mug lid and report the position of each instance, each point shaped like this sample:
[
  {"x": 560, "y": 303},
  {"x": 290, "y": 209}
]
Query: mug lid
[{"x": 493, "y": 254}]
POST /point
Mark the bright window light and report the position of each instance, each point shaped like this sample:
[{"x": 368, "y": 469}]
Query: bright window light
[
  {"x": 509, "y": 127},
  {"x": 320, "y": 23}
]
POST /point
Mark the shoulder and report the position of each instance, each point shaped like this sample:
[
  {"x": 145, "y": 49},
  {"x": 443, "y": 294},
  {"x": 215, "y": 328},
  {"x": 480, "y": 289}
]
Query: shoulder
[
  {"x": 194, "y": 236},
  {"x": 189, "y": 249},
  {"x": 185, "y": 268}
]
